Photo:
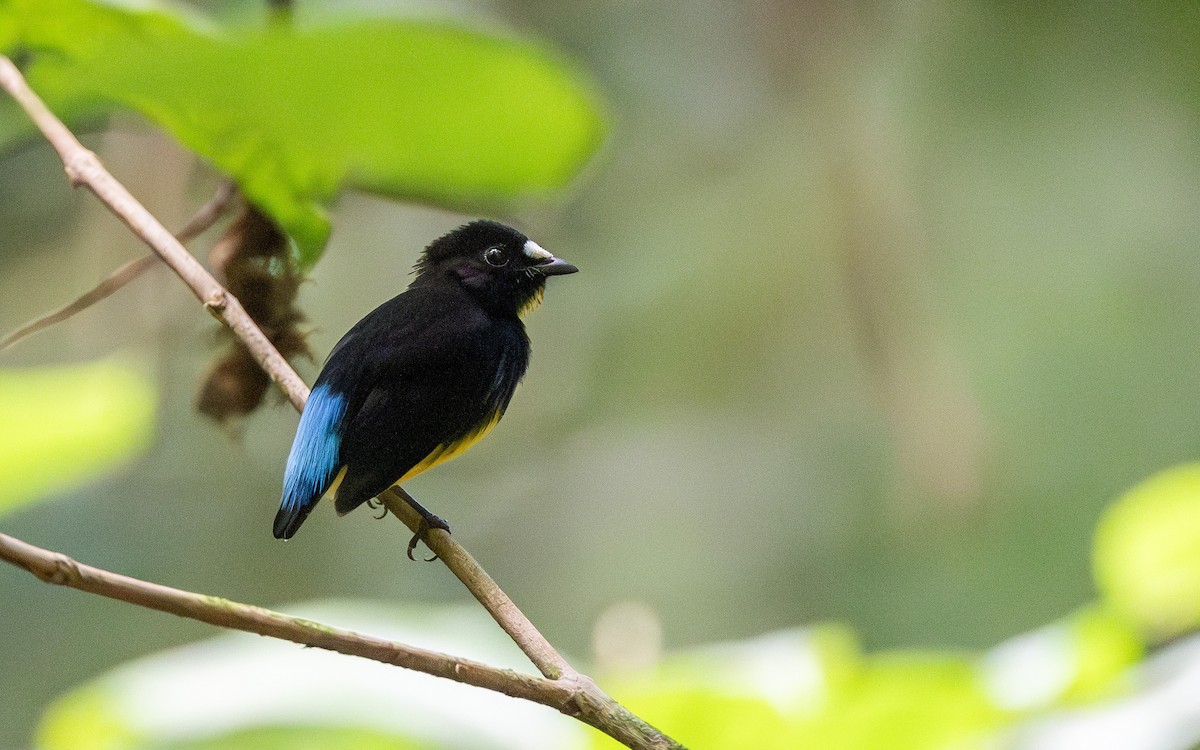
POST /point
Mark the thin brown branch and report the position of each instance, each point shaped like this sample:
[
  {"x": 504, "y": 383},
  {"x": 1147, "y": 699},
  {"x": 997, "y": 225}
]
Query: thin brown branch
[
  {"x": 58, "y": 569},
  {"x": 118, "y": 279},
  {"x": 209, "y": 213},
  {"x": 481, "y": 585},
  {"x": 108, "y": 286},
  {"x": 589, "y": 703}
]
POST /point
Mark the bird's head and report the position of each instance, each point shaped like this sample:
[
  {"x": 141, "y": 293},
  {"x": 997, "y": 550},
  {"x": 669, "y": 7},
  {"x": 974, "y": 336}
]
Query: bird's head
[{"x": 505, "y": 270}]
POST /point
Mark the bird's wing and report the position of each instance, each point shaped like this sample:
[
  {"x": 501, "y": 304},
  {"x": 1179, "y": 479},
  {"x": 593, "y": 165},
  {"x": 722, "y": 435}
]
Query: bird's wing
[
  {"x": 429, "y": 409},
  {"x": 314, "y": 462},
  {"x": 402, "y": 425},
  {"x": 393, "y": 338}
]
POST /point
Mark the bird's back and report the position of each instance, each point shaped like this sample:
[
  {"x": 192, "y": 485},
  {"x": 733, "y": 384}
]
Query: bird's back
[{"x": 447, "y": 371}]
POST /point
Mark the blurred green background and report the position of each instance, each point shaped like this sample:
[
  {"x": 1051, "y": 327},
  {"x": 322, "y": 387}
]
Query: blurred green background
[{"x": 880, "y": 305}]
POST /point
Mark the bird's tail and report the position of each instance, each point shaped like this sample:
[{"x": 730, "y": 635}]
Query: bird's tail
[
  {"x": 290, "y": 516},
  {"x": 313, "y": 462}
]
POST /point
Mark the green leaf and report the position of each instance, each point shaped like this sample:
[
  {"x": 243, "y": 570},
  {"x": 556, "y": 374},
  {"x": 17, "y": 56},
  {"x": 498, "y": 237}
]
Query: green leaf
[
  {"x": 911, "y": 700},
  {"x": 298, "y": 738},
  {"x": 65, "y": 426},
  {"x": 1147, "y": 553},
  {"x": 412, "y": 109},
  {"x": 1106, "y": 646},
  {"x": 1078, "y": 659},
  {"x": 762, "y": 693}
]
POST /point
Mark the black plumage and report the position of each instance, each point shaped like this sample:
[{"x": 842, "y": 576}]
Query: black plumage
[{"x": 423, "y": 376}]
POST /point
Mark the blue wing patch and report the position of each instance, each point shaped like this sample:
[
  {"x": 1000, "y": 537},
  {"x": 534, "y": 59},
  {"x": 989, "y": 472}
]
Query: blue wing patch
[{"x": 313, "y": 462}]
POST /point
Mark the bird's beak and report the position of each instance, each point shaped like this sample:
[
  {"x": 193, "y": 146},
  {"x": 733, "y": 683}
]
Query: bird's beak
[
  {"x": 555, "y": 267},
  {"x": 546, "y": 263}
]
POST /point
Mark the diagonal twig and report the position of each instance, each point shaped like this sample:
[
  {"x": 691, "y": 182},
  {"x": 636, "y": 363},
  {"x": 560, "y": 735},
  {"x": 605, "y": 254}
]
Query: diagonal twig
[
  {"x": 197, "y": 225},
  {"x": 588, "y": 702},
  {"x": 111, "y": 283}
]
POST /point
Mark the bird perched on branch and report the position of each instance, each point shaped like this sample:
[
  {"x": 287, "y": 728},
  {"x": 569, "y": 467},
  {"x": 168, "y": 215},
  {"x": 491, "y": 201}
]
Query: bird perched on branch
[{"x": 422, "y": 377}]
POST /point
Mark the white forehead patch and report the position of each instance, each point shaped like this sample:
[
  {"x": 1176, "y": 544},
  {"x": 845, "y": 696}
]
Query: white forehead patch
[{"x": 534, "y": 251}]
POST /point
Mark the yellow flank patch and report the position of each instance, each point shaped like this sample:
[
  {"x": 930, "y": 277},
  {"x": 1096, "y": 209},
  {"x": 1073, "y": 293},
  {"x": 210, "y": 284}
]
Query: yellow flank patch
[{"x": 446, "y": 452}]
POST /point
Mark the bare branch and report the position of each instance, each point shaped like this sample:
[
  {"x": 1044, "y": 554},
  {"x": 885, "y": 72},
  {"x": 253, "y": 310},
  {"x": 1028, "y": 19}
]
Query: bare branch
[
  {"x": 589, "y": 703},
  {"x": 111, "y": 283},
  {"x": 209, "y": 213},
  {"x": 58, "y": 569},
  {"x": 481, "y": 585},
  {"x": 201, "y": 221}
]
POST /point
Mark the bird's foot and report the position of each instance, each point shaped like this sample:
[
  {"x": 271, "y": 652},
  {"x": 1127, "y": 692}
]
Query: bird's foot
[
  {"x": 377, "y": 504},
  {"x": 428, "y": 521}
]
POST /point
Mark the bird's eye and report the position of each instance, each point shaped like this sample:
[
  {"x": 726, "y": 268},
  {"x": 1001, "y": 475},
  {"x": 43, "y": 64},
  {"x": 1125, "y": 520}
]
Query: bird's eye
[{"x": 495, "y": 256}]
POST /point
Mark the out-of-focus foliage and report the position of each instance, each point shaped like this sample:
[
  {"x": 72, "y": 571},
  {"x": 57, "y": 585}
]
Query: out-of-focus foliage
[
  {"x": 1147, "y": 553},
  {"x": 1156, "y": 711},
  {"x": 1081, "y": 658},
  {"x": 1103, "y": 646},
  {"x": 750, "y": 694},
  {"x": 418, "y": 110},
  {"x": 815, "y": 688},
  {"x": 298, "y": 738},
  {"x": 899, "y": 700},
  {"x": 63, "y": 426}
]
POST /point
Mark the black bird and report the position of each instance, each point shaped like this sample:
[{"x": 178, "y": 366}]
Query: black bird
[{"x": 422, "y": 377}]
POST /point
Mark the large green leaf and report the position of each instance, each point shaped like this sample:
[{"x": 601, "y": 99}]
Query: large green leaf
[
  {"x": 413, "y": 109},
  {"x": 1147, "y": 553},
  {"x": 63, "y": 426}
]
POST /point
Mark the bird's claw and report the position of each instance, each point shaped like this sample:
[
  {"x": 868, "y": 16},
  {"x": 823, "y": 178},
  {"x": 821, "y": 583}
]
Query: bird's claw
[
  {"x": 428, "y": 521},
  {"x": 412, "y": 544}
]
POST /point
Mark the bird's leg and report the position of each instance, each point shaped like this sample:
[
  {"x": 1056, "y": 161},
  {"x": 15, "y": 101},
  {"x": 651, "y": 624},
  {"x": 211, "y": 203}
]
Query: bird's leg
[{"x": 428, "y": 521}]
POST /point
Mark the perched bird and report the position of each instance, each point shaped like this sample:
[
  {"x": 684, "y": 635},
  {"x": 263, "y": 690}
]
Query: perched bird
[{"x": 422, "y": 377}]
